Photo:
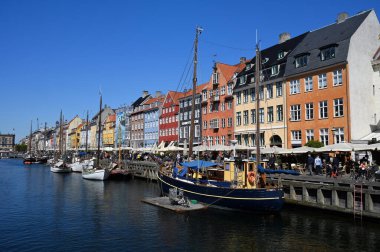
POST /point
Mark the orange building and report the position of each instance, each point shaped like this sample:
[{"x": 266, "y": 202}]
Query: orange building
[
  {"x": 217, "y": 104},
  {"x": 330, "y": 86}
]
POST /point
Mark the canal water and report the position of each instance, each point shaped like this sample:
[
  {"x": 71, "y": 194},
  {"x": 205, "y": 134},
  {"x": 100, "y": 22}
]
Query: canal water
[{"x": 44, "y": 211}]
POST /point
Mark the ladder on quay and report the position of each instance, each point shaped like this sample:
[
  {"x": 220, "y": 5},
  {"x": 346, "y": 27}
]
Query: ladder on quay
[{"x": 358, "y": 200}]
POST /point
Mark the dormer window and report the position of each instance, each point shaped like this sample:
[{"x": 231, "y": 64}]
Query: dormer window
[
  {"x": 281, "y": 55},
  {"x": 243, "y": 79},
  {"x": 215, "y": 78},
  {"x": 302, "y": 60},
  {"x": 248, "y": 66},
  {"x": 275, "y": 70},
  {"x": 265, "y": 60},
  {"x": 328, "y": 53}
]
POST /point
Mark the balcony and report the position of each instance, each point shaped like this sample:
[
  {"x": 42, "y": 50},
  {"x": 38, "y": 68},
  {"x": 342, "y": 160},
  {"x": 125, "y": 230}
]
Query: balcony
[{"x": 215, "y": 83}]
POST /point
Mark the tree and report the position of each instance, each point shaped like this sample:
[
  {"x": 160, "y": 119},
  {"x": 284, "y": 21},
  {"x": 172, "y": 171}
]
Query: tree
[
  {"x": 314, "y": 144},
  {"x": 21, "y": 147}
]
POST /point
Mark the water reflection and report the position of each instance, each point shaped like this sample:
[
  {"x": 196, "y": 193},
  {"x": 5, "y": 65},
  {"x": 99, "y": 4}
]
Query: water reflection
[{"x": 46, "y": 211}]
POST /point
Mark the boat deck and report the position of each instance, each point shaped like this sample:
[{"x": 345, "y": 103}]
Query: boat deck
[{"x": 164, "y": 202}]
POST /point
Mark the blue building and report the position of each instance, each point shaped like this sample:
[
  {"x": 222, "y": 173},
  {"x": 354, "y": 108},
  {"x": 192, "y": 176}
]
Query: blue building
[{"x": 152, "y": 110}]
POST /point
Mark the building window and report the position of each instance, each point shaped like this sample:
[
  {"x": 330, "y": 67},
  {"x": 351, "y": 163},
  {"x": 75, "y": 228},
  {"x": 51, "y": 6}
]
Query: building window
[
  {"x": 322, "y": 81},
  {"x": 229, "y": 89},
  {"x": 278, "y": 89},
  {"x": 308, "y": 84},
  {"x": 215, "y": 78},
  {"x": 338, "y": 107},
  {"x": 223, "y": 122},
  {"x": 223, "y": 106},
  {"x": 281, "y": 55},
  {"x": 229, "y": 122},
  {"x": 269, "y": 91},
  {"x": 270, "y": 114},
  {"x": 243, "y": 79},
  {"x": 216, "y": 140},
  {"x": 253, "y": 116},
  {"x": 245, "y": 117},
  {"x": 238, "y": 98},
  {"x": 245, "y": 96},
  {"x": 204, "y": 109},
  {"x": 238, "y": 118},
  {"x": 295, "y": 112},
  {"x": 197, "y": 131},
  {"x": 337, "y": 77},
  {"x": 324, "y": 136},
  {"x": 280, "y": 114},
  {"x": 229, "y": 105},
  {"x": 253, "y": 94},
  {"x": 223, "y": 140},
  {"x": 223, "y": 90},
  {"x": 296, "y": 135},
  {"x": 309, "y": 109},
  {"x": 204, "y": 124},
  {"x": 323, "y": 109},
  {"x": 275, "y": 70},
  {"x": 338, "y": 135},
  {"x": 309, "y": 135},
  {"x": 328, "y": 53},
  {"x": 261, "y": 115},
  {"x": 204, "y": 95},
  {"x": 261, "y": 93},
  {"x": 294, "y": 87},
  {"x": 301, "y": 61}
]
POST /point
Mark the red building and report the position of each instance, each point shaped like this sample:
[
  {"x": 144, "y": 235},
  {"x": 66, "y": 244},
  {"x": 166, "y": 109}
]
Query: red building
[
  {"x": 168, "y": 124},
  {"x": 218, "y": 106}
]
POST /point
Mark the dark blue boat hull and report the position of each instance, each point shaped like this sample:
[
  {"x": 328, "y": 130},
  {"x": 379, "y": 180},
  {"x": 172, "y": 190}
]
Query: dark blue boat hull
[{"x": 260, "y": 200}]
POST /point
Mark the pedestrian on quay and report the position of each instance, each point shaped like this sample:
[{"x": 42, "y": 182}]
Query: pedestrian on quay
[
  {"x": 310, "y": 164},
  {"x": 328, "y": 168},
  {"x": 318, "y": 165},
  {"x": 335, "y": 166}
]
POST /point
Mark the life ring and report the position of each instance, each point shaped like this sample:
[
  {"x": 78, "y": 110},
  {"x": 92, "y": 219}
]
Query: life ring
[{"x": 251, "y": 178}]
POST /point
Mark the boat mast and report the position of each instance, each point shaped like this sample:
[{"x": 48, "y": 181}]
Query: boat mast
[
  {"x": 99, "y": 128},
  {"x": 198, "y": 31},
  {"x": 86, "y": 131},
  {"x": 257, "y": 87},
  {"x": 30, "y": 138},
  {"x": 60, "y": 134}
]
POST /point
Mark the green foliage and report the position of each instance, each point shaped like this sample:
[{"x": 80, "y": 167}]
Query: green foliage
[
  {"x": 314, "y": 144},
  {"x": 21, "y": 147}
]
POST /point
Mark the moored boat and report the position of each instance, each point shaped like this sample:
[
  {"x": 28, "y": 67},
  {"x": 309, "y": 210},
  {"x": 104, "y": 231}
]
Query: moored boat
[
  {"x": 236, "y": 186},
  {"x": 60, "y": 167}
]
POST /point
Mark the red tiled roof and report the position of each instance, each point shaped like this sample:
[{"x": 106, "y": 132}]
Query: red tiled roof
[{"x": 112, "y": 118}]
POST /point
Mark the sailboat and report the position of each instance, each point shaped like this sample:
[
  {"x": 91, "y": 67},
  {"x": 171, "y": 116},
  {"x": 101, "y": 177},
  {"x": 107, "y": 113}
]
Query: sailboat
[
  {"x": 78, "y": 164},
  {"x": 60, "y": 166},
  {"x": 237, "y": 185},
  {"x": 96, "y": 172}
]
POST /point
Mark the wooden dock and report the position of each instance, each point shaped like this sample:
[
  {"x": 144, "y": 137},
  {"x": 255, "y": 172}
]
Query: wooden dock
[{"x": 164, "y": 202}]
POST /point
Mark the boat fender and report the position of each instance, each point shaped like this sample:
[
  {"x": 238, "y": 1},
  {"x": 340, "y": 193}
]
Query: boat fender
[{"x": 251, "y": 177}]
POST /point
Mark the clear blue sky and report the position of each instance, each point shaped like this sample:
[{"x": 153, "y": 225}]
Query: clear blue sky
[{"x": 57, "y": 54}]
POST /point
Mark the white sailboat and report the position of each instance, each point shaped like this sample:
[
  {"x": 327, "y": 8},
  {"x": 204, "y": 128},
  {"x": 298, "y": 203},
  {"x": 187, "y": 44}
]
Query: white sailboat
[
  {"x": 96, "y": 172},
  {"x": 60, "y": 166}
]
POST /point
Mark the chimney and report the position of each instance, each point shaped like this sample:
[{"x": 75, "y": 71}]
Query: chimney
[
  {"x": 341, "y": 17},
  {"x": 145, "y": 93},
  {"x": 283, "y": 37},
  {"x": 158, "y": 94},
  {"x": 243, "y": 60}
]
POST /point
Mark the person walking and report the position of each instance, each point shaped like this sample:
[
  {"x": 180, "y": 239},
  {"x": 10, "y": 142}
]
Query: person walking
[
  {"x": 318, "y": 165},
  {"x": 310, "y": 164},
  {"x": 335, "y": 166}
]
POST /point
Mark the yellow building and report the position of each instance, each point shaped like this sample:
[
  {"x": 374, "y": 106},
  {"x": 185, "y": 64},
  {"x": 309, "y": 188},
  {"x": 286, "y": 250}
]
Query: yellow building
[
  {"x": 109, "y": 131},
  {"x": 272, "y": 117}
]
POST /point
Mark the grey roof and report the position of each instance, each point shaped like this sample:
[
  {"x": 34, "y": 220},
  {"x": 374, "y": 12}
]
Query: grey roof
[
  {"x": 337, "y": 34},
  {"x": 270, "y": 58}
]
